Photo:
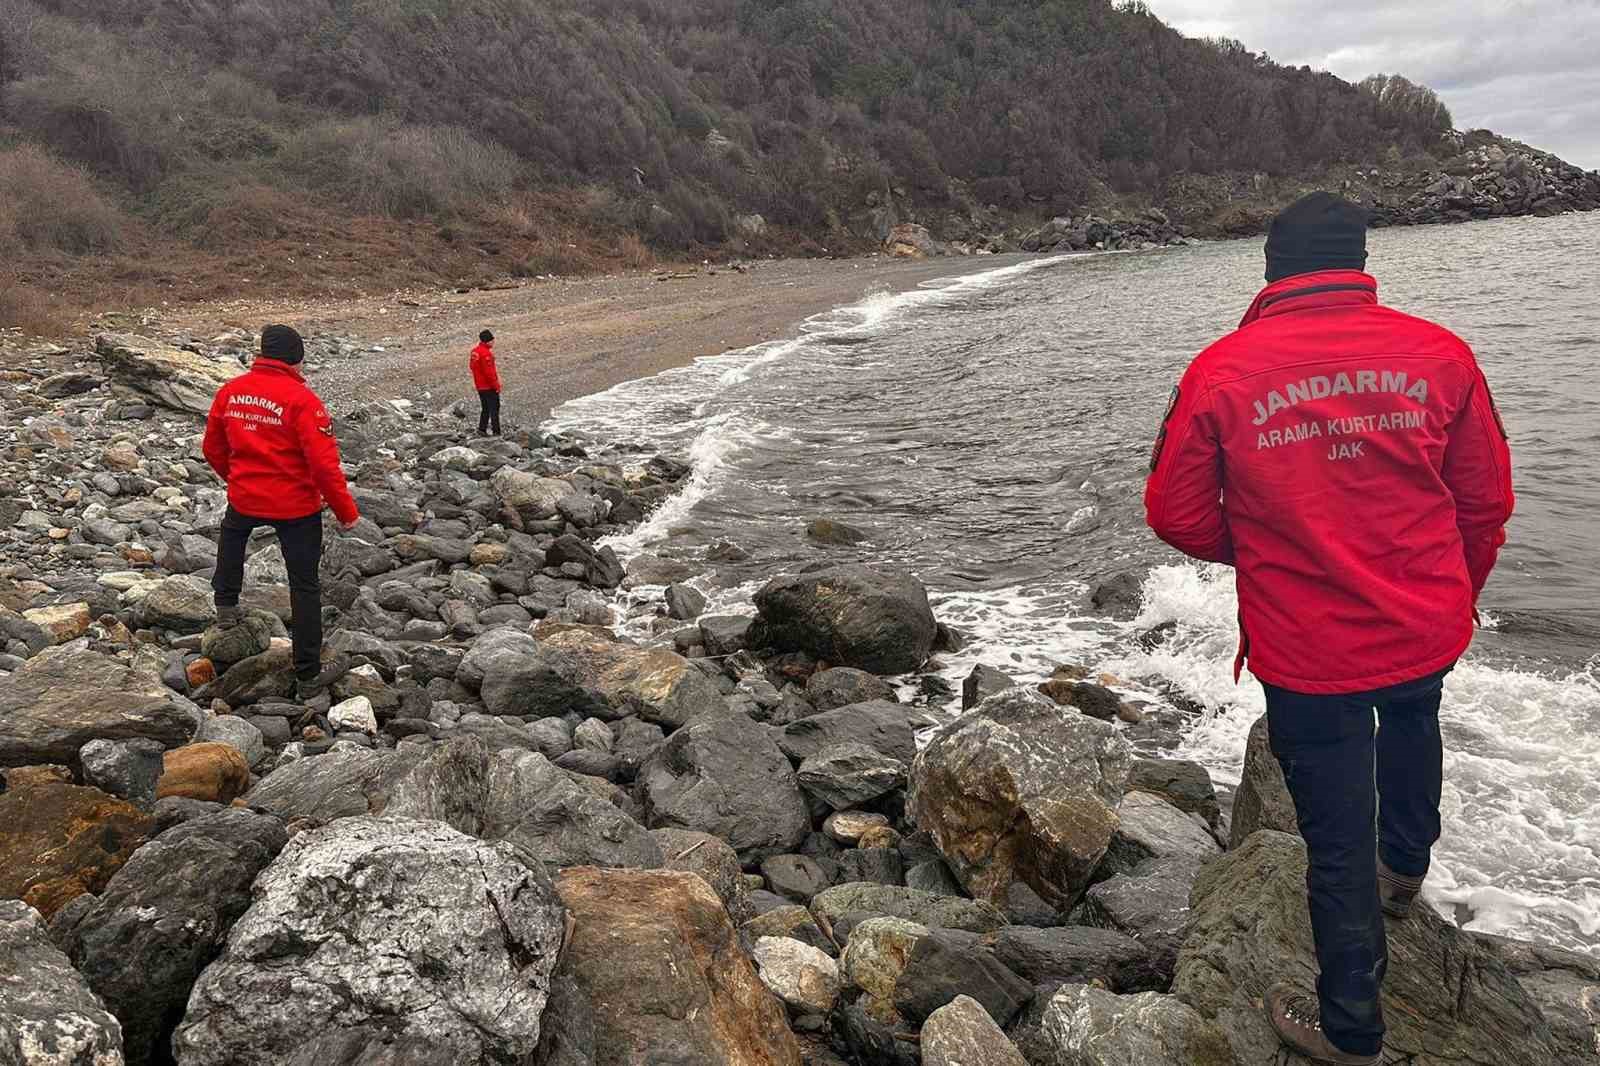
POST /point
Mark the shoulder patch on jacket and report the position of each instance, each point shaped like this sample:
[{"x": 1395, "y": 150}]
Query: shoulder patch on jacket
[{"x": 1161, "y": 435}]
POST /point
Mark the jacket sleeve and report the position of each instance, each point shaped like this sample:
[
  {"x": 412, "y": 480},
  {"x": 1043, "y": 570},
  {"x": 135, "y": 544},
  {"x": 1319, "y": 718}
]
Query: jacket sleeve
[
  {"x": 1183, "y": 498},
  {"x": 494, "y": 372},
  {"x": 1477, "y": 471},
  {"x": 315, "y": 429},
  {"x": 215, "y": 444}
]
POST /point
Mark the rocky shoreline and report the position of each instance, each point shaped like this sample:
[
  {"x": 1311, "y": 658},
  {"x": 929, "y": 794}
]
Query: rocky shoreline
[{"x": 511, "y": 835}]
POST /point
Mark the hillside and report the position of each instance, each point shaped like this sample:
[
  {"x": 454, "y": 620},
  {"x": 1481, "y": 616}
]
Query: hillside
[{"x": 174, "y": 149}]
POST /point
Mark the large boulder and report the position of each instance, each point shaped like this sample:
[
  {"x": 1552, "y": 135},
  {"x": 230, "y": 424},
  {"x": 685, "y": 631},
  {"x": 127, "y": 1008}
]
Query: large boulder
[
  {"x": 181, "y": 603},
  {"x": 924, "y": 908},
  {"x": 1263, "y": 800},
  {"x": 657, "y": 957},
  {"x": 881, "y": 725},
  {"x": 1086, "y": 1026},
  {"x": 877, "y": 620},
  {"x": 520, "y": 797},
  {"x": 1151, "y": 828},
  {"x": 60, "y": 700},
  {"x": 722, "y": 774},
  {"x": 1077, "y": 954},
  {"x": 539, "y": 682},
  {"x": 366, "y": 936},
  {"x": 1020, "y": 789},
  {"x": 655, "y": 684},
  {"x": 1565, "y": 985},
  {"x": 167, "y": 376},
  {"x": 1449, "y": 999},
  {"x": 345, "y": 781},
  {"x": 61, "y": 841},
  {"x": 142, "y": 943},
  {"x": 961, "y": 1033},
  {"x": 48, "y": 1016},
  {"x": 532, "y": 497}
]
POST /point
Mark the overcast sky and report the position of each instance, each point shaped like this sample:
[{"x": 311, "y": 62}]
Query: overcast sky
[{"x": 1528, "y": 69}]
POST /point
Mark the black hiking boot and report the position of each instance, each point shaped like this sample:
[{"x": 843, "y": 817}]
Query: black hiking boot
[{"x": 307, "y": 689}]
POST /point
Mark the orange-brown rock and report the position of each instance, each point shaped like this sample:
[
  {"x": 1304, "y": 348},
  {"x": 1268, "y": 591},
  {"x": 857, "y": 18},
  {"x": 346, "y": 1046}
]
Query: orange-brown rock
[
  {"x": 61, "y": 841},
  {"x": 209, "y": 771},
  {"x": 657, "y": 957},
  {"x": 201, "y": 672},
  {"x": 20, "y": 777}
]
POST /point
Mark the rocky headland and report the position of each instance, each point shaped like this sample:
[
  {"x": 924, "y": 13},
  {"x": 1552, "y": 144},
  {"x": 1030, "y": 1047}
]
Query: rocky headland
[{"x": 541, "y": 822}]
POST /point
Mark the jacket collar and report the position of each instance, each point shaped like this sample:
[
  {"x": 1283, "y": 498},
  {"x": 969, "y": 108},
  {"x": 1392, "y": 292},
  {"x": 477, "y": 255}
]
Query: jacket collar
[
  {"x": 268, "y": 365},
  {"x": 1324, "y": 288}
]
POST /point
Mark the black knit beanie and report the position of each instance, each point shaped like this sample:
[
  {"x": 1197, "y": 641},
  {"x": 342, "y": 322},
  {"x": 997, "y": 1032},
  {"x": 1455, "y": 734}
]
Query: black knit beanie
[
  {"x": 1317, "y": 232},
  {"x": 283, "y": 344},
  {"x": 486, "y": 337}
]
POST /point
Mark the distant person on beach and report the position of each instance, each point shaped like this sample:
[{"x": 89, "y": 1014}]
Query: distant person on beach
[
  {"x": 271, "y": 440},
  {"x": 1349, "y": 462},
  {"x": 486, "y": 379}
]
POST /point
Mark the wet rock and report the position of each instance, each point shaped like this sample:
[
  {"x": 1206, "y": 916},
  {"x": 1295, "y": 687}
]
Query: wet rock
[
  {"x": 961, "y": 1033},
  {"x": 828, "y": 690},
  {"x": 142, "y": 943},
  {"x": 1184, "y": 784},
  {"x": 64, "y": 840},
  {"x": 831, "y": 531},
  {"x": 1564, "y": 984},
  {"x": 388, "y": 946},
  {"x": 713, "y": 860},
  {"x": 873, "y": 619},
  {"x": 1078, "y": 954},
  {"x": 1151, "y": 828},
  {"x": 600, "y": 568},
  {"x": 684, "y": 602},
  {"x": 924, "y": 908},
  {"x": 521, "y": 798},
  {"x": 848, "y": 775},
  {"x": 1149, "y": 903},
  {"x": 48, "y": 1016},
  {"x": 161, "y": 374},
  {"x": 1448, "y": 999},
  {"x": 60, "y": 700},
  {"x": 727, "y": 634},
  {"x": 1084, "y": 1025},
  {"x": 215, "y": 772},
  {"x": 1263, "y": 800},
  {"x": 655, "y": 684},
  {"x": 882, "y": 726},
  {"x": 341, "y": 783},
  {"x": 945, "y": 964},
  {"x": 128, "y": 769},
  {"x": 684, "y": 991},
  {"x": 723, "y": 775},
  {"x": 806, "y": 979},
  {"x": 981, "y": 683},
  {"x": 1119, "y": 596},
  {"x": 533, "y": 498},
  {"x": 1020, "y": 789}
]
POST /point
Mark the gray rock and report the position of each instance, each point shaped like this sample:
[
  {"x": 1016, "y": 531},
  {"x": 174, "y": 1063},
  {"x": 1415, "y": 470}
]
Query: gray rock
[
  {"x": 142, "y": 943},
  {"x": 933, "y": 876},
  {"x": 181, "y": 603},
  {"x": 1449, "y": 999},
  {"x": 1119, "y": 596},
  {"x": 130, "y": 769},
  {"x": 1263, "y": 800},
  {"x": 1078, "y": 954},
  {"x": 684, "y": 602},
  {"x": 166, "y": 376},
  {"x": 599, "y": 567},
  {"x": 344, "y": 782},
  {"x": 496, "y": 652},
  {"x": 383, "y": 939},
  {"x": 1086, "y": 1026},
  {"x": 850, "y": 774},
  {"x": 1019, "y": 789},
  {"x": 231, "y": 729},
  {"x": 1151, "y": 828},
  {"x": 1150, "y": 904},
  {"x": 65, "y": 697},
  {"x": 567, "y": 1036},
  {"x": 981, "y": 683},
  {"x": 806, "y": 979},
  {"x": 1564, "y": 984},
  {"x": 1184, "y": 784},
  {"x": 594, "y": 735},
  {"x": 542, "y": 681},
  {"x": 725, "y": 634},
  {"x": 961, "y": 1033},
  {"x": 874, "y": 619},
  {"x": 790, "y": 920},
  {"x": 552, "y": 737},
  {"x": 266, "y": 676},
  {"x": 251, "y": 637},
  {"x": 48, "y": 1016},
  {"x": 521, "y": 798},
  {"x": 533, "y": 498},
  {"x": 923, "y": 908},
  {"x": 945, "y": 964},
  {"x": 882, "y": 726},
  {"x": 796, "y": 877},
  {"x": 828, "y": 690},
  {"x": 879, "y": 865},
  {"x": 723, "y": 775}
]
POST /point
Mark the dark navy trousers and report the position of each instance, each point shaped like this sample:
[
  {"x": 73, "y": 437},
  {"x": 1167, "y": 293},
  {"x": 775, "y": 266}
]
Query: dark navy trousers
[{"x": 1359, "y": 793}]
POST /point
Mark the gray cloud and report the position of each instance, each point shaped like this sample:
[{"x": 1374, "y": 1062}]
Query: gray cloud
[{"x": 1529, "y": 69}]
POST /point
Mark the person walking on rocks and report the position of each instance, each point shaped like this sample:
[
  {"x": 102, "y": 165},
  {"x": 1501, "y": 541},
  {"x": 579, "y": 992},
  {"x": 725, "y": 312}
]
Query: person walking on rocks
[
  {"x": 486, "y": 379},
  {"x": 271, "y": 440},
  {"x": 1349, "y": 462}
]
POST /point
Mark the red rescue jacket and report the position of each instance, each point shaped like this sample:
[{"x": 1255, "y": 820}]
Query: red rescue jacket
[
  {"x": 485, "y": 378},
  {"x": 1349, "y": 462},
  {"x": 271, "y": 440}
]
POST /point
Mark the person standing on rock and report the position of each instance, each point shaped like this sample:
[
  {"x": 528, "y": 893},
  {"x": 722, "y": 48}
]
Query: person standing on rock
[
  {"x": 271, "y": 440},
  {"x": 1348, "y": 460},
  {"x": 486, "y": 379}
]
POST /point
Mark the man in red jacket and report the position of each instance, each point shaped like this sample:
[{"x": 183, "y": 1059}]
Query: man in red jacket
[
  {"x": 1349, "y": 462},
  {"x": 271, "y": 440},
  {"x": 486, "y": 379}
]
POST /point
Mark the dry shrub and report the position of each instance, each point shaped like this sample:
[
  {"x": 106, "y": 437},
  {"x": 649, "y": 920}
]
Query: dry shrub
[
  {"x": 381, "y": 167},
  {"x": 50, "y": 206},
  {"x": 26, "y": 308},
  {"x": 220, "y": 214}
]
